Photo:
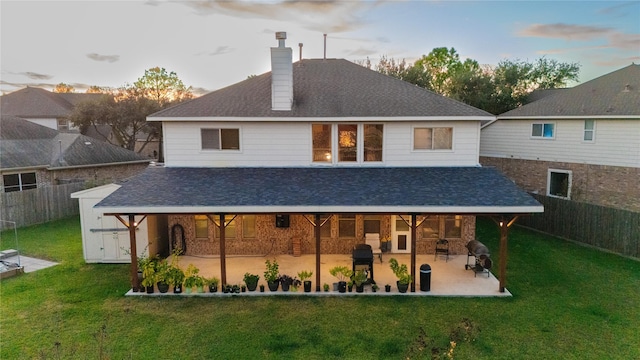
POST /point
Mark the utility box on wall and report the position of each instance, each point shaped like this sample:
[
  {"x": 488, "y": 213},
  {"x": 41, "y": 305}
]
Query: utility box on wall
[{"x": 282, "y": 220}]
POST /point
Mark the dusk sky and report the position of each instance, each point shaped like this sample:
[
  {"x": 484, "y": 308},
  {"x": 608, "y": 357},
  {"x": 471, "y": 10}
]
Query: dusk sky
[{"x": 213, "y": 44}]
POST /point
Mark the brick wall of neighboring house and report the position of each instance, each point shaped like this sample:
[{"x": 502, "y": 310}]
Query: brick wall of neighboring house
[
  {"x": 612, "y": 186},
  {"x": 272, "y": 240},
  {"x": 95, "y": 176}
]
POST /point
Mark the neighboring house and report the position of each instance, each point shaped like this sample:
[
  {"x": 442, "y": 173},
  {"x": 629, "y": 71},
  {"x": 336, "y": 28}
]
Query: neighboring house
[
  {"x": 36, "y": 159},
  {"x": 315, "y": 155},
  {"x": 52, "y": 110},
  {"x": 43, "y": 107},
  {"x": 579, "y": 144}
]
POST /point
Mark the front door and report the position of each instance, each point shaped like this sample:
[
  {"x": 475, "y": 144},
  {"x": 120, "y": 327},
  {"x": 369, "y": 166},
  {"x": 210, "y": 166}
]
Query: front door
[{"x": 400, "y": 234}]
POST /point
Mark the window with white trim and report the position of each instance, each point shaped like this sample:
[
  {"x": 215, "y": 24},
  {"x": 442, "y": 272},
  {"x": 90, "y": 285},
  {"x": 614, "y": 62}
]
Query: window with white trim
[
  {"x": 220, "y": 139},
  {"x": 63, "y": 124},
  {"x": 589, "y": 130},
  {"x": 559, "y": 183},
  {"x": 543, "y": 130},
  {"x": 432, "y": 138},
  {"x": 19, "y": 182},
  {"x": 347, "y": 143}
]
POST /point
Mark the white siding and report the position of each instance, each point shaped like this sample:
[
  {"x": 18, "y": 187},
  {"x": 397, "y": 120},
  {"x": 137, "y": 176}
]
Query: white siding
[
  {"x": 617, "y": 142},
  {"x": 290, "y": 144},
  {"x": 51, "y": 123}
]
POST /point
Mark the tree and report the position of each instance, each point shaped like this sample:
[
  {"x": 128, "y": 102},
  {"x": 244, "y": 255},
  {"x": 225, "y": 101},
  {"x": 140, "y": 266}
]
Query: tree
[
  {"x": 94, "y": 89},
  {"x": 125, "y": 109},
  {"x": 162, "y": 87},
  {"x": 63, "y": 88},
  {"x": 494, "y": 89}
]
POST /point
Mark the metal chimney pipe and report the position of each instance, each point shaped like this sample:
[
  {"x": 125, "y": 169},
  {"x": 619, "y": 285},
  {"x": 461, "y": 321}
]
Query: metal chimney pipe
[
  {"x": 300, "y": 45},
  {"x": 325, "y": 47}
]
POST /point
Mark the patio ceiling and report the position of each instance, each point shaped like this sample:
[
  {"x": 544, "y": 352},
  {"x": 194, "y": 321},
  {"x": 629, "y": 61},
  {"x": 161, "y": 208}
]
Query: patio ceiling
[{"x": 440, "y": 190}]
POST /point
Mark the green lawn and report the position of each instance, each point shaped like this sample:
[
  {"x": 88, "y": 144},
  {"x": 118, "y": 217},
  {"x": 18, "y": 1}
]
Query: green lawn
[{"x": 569, "y": 302}]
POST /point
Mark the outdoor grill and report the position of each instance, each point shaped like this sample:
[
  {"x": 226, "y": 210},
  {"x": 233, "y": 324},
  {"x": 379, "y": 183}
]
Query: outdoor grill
[
  {"x": 363, "y": 259},
  {"x": 482, "y": 256}
]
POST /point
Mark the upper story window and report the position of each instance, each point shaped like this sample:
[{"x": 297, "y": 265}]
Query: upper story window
[
  {"x": 546, "y": 130},
  {"x": 63, "y": 124},
  {"x": 347, "y": 143},
  {"x": 589, "y": 130},
  {"x": 19, "y": 182},
  {"x": 432, "y": 138},
  {"x": 220, "y": 139}
]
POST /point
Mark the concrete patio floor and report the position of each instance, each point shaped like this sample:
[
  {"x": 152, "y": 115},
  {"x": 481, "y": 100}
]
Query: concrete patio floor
[{"x": 448, "y": 278}]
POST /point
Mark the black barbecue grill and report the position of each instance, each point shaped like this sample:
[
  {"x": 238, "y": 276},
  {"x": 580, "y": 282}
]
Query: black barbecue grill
[
  {"x": 363, "y": 259},
  {"x": 482, "y": 256}
]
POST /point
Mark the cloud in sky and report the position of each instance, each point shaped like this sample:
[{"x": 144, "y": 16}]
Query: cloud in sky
[
  {"x": 107, "y": 58},
  {"x": 220, "y": 50},
  {"x": 34, "y": 75},
  {"x": 325, "y": 16},
  {"x": 565, "y": 31}
]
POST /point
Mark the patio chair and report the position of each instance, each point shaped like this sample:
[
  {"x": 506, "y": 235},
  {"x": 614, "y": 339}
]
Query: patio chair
[
  {"x": 442, "y": 248},
  {"x": 373, "y": 240}
]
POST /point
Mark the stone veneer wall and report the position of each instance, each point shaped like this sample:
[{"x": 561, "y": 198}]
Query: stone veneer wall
[
  {"x": 270, "y": 240},
  {"x": 612, "y": 186}
]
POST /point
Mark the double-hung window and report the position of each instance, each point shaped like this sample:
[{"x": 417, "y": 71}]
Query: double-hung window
[
  {"x": 589, "y": 130},
  {"x": 19, "y": 182},
  {"x": 220, "y": 139},
  {"x": 432, "y": 138},
  {"x": 545, "y": 131}
]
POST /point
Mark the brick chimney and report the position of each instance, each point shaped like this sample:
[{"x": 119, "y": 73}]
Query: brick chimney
[{"x": 281, "y": 75}]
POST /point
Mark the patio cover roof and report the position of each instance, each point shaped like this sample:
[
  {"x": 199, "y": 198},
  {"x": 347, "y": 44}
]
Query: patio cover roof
[{"x": 439, "y": 190}]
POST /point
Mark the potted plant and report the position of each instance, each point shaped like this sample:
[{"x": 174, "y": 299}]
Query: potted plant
[
  {"x": 212, "y": 283},
  {"x": 342, "y": 273},
  {"x": 286, "y": 281},
  {"x": 261, "y": 287},
  {"x": 304, "y": 277},
  {"x": 402, "y": 273},
  {"x": 387, "y": 288},
  {"x": 175, "y": 277},
  {"x": 325, "y": 286},
  {"x": 199, "y": 283},
  {"x": 374, "y": 288},
  {"x": 148, "y": 267},
  {"x": 191, "y": 278},
  {"x": 251, "y": 280},
  {"x": 359, "y": 278},
  {"x": 162, "y": 276},
  {"x": 385, "y": 244},
  {"x": 271, "y": 274}
]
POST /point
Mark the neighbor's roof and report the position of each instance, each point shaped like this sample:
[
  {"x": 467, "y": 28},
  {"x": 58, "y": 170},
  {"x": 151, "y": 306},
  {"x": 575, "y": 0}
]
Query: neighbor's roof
[
  {"x": 24, "y": 144},
  {"x": 442, "y": 190},
  {"x": 332, "y": 88},
  {"x": 33, "y": 102},
  {"x": 614, "y": 95}
]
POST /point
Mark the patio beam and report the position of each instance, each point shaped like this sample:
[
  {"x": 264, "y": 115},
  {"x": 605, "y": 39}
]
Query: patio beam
[
  {"x": 223, "y": 252},
  {"x": 317, "y": 229},
  {"x": 504, "y": 223},
  {"x": 413, "y": 251}
]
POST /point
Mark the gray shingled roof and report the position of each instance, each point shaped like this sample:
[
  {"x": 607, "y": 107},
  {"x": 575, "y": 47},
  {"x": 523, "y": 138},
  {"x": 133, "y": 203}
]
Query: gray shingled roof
[
  {"x": 319, "y": 189},
  {"x": 37, "y": 103},
  {"x": 325, "y": 88},
  {"x": 24, "y": 144},
  {"x": 613, "y": 94}
]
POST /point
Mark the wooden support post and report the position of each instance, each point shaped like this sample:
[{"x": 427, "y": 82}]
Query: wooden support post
[
  {"x": 223, "y": 253},
  {"x": 134, "y": 253},
  {"x": 317, "y": 228},
  {"x": 504, "y": 233},
  {"x": 413, "y": 251}
]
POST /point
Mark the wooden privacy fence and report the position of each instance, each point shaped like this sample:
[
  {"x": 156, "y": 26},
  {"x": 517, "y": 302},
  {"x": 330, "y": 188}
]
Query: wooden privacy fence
[
  {"x": 603, "y": 227},
  {"x": 39, "y": 205}
]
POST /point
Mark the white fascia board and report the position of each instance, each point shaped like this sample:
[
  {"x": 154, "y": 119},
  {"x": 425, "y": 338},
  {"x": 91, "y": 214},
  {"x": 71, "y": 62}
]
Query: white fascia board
[
  {"x": 569, "y": 117},
  {"x": 325, "y": 119},
  {"x": 324, "y": 209}
]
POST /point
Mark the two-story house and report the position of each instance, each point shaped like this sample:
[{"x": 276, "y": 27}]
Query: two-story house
[
  {"x": 581, "y": 145},
  {"x": 319, "y": 152}
]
